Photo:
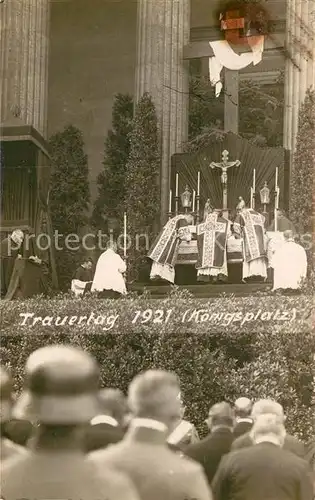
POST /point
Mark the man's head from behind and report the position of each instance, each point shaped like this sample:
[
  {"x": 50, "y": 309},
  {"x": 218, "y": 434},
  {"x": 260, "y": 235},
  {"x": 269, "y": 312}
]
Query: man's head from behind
[
  {"x": 243, "y": 407},
  {"x": 288, "y": 235},
  {"x": 268, "y": 428},
  {"x": 267, "y": 406},
  {"x": 220, "y": 415},
  {"x": 112, "y": 402},
  {"x": 154, "y": 394}
]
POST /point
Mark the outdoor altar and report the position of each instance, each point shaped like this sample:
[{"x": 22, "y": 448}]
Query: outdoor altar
[{"x": 188, "y": 203}]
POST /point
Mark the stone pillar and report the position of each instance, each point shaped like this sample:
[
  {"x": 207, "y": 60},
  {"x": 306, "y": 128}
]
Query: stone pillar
[
  {"x": 163, "y": 31},
  {"x": 24, "y": 32},
  {"x": 300, "y": 64}
]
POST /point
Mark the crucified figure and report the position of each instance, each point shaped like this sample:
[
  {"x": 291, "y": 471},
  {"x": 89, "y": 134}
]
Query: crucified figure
[{"x": 224, "y": 165}]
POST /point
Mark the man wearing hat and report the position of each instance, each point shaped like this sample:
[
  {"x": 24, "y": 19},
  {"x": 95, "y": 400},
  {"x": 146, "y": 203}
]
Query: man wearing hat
[
  {"x": 244, "y": 422},
  {"x": 209, "y": 451},
  {"x": 60, "y": 393},
  {"x": 7, "y": 447}
]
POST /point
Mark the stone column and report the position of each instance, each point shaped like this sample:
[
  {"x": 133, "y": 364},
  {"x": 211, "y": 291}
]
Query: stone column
[
  {"x": 163, "y": 31},
  {"x": 300, "y": 64},
  {"x": 24, "y": 41}
]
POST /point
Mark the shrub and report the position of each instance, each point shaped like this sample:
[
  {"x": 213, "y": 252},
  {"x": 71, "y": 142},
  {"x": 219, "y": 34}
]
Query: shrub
[{"x": 220, "y": 359}]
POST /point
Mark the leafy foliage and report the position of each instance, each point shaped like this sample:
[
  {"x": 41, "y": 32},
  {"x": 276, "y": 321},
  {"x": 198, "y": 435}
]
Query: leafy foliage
[
  {"x": 303, "y": 167},
  {"x": 216, "y": 360},
  {"x": 69, "y": 190},
  {"x": 260, "y": 113},
  {"x": 69, "y": 195},
  {"x": 111, "y": 181},
  {"x": 142, "y": 181}
]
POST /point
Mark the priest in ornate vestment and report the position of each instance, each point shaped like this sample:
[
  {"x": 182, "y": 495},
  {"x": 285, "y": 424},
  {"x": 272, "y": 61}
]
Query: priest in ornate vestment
[
  {"x": 212, "y": 235},
  {"x": 249, "y": 225},
  {"x": 164, "y": 250}
]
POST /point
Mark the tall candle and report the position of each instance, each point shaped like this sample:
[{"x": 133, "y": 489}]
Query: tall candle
[
  {"x": 198, "y": 184},
  {"x": 193, "y": 202},
  {"x": 276, "y": 181},
  {"x": 251, "y": 197},
  {"x": 176, "y": 189},
  {"x": 170, "y": 202},
  {"x": 125, "y": 234},
  {"x": 254, "y": 180}
]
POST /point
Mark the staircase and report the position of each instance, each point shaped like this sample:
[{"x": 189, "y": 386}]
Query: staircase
[{"x": 160, "y": 291}]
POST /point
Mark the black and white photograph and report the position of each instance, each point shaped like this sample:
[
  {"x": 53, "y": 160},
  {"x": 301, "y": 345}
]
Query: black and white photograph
[{"x": 157, "y": 249}]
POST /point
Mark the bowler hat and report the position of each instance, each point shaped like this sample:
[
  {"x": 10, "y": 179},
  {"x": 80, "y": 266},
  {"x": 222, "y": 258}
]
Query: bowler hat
[
  {"x": 6, "y": 395},
  {"x": 61, "y": 387}
]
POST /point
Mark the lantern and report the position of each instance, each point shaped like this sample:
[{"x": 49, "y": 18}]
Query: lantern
[
  {"x": 265, "y": 195},
  {"x": 185, "y": 198}
]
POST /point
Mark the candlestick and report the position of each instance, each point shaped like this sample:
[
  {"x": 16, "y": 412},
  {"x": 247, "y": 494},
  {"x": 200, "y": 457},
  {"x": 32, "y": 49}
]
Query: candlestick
[
  {"x": 176, "y": 189},
  {"x": 125, "y": 234},
  {"x": 170, "y": 202},
  {"x": 251, "y": 197},
  {"x": 254, "y": 180},
  {"x": 198, "y": 184},
  {"x": 276, "y": 181},
  {"x": 193, "y": 200}
]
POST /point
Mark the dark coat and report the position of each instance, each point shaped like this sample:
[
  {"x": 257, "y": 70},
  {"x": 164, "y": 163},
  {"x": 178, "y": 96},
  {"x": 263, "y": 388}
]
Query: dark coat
[
  {"x": 19, "y": 431},
  {"x": 242, "y": 427},
  {"x": 209, "y": 451},
  {"x": 101, "y": 435},
  {"x": 291, "y": 443},
  {"x": 262, "y": 472}
]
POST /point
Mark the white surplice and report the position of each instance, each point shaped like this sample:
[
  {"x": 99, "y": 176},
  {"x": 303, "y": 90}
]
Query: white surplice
[
  {"x": 108, "y": 273},
  {"x": 290, "y": 266}
]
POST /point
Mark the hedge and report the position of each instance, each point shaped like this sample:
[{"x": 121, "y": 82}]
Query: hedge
[{"x": 216, "y": 353}]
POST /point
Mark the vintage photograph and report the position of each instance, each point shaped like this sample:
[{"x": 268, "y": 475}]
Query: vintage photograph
[{"x": 157, "y": 249}]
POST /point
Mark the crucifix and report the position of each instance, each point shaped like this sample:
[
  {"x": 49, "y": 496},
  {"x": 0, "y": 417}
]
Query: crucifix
[{"x": 224, "y": 166}]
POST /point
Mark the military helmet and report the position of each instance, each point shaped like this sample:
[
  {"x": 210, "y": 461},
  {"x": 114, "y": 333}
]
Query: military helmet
[
  {"x": 6, "y": 387},
  {"x": 61, "y": 387}
]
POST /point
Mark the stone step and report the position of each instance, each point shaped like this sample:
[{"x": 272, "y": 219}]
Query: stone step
[{"x": 202, "y": 290}]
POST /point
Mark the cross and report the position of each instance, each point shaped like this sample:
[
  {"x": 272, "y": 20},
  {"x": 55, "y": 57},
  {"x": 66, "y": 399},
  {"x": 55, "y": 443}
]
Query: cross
[
  {"x": 208, "y": 229},
  {"x": 201, "y": 49},
  {"x": 224, "y": 165}
]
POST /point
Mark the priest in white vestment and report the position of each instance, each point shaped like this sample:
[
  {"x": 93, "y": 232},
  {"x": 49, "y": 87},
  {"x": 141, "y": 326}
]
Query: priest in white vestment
[
  {"x": 109, "y": 272},
  {"x": 289, "y": 264}
]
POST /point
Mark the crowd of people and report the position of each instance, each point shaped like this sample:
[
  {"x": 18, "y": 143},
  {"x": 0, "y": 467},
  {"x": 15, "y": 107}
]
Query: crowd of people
[{"x": 65, "y": 438}]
